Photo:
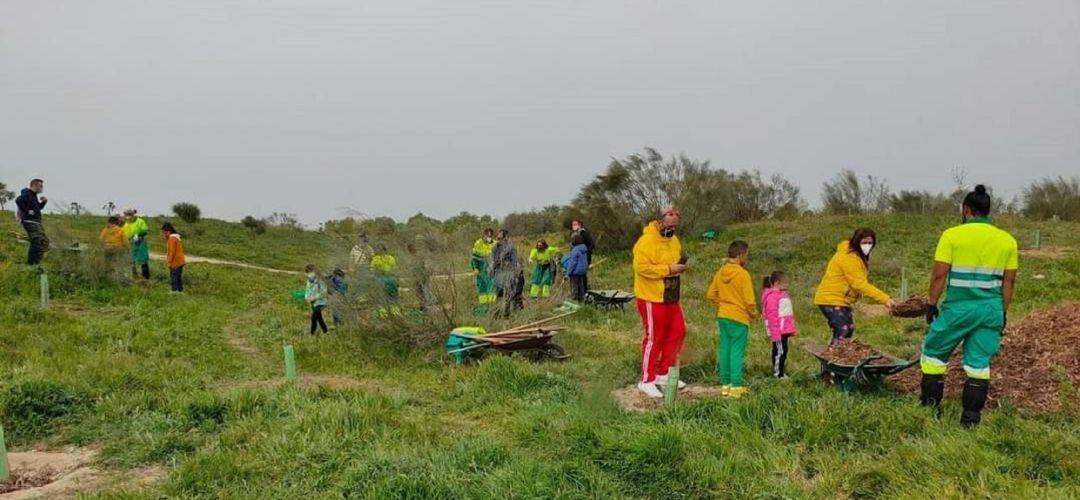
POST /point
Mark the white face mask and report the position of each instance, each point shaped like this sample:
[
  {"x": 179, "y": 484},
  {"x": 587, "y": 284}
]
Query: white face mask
[
  {"x": 311, "y": 277},
  {"x": 866, "y": 248}
]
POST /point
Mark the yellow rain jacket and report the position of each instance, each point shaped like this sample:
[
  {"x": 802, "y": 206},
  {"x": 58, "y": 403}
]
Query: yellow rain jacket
[
  {"x": 653, "y": 257},
  {"x": 733, "y": 293},
  {"x": 846, "y": 279}
]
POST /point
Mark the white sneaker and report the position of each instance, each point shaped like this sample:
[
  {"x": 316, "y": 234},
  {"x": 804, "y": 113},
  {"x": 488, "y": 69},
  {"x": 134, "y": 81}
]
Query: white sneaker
[
  {"x": 661, "y": 381},
  {"x": 650, "y": 390}
]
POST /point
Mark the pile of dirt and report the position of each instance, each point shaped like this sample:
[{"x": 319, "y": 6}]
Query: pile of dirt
[
  {"x": 22, "y": 480},
  {"x": 852, "y": 352},
  {"x": 1037, "y": 354},
  {"x": 631, "y": 399},
  {"x": 914, "y": 307}
]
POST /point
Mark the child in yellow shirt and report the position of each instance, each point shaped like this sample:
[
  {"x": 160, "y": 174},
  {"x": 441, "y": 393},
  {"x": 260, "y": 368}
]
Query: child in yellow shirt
[{"x": 732, "y": 291}]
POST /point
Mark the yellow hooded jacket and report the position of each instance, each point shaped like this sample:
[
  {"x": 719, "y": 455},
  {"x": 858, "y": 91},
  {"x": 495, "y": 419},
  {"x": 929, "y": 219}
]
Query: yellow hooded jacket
[
  {"x": 846, "y": 279},
  {"x": 653, "y": 257},
  {"x": 733, "y": 293}
]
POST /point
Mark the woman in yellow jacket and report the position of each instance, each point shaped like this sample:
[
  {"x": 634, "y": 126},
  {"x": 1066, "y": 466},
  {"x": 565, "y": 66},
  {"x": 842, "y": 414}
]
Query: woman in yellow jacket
[{"x": 846, "y": 279}]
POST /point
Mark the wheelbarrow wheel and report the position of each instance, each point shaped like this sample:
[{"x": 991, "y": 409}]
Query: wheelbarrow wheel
[{"x": 555, "y": 351}]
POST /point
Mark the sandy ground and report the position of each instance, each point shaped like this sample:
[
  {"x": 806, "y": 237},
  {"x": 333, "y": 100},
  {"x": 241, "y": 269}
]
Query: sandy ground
[
  {"x": 67, "y": 473},
  {"x": 631, "y": 399}
]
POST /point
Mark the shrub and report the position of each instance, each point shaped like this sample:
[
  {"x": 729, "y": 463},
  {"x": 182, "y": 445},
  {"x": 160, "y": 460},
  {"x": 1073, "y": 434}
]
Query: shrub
[
  {"x": 257, "y": 226},
  {"x": 550, "y": 219},
  {"x": 187, "y": 212},
  {"x": 1048, "y": 197},
  {"x": 633, "y": 191},
  {"x": 922, "y": 202},
  {"x": 846, "y": 194}
]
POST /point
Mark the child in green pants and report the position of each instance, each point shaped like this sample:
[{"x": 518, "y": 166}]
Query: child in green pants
[{"x": 733, "y": 293}]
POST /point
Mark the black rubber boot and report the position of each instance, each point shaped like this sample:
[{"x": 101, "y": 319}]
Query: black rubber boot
[
  {"x": 933, "y": 391},
  {"x": 975, "y": 391}
]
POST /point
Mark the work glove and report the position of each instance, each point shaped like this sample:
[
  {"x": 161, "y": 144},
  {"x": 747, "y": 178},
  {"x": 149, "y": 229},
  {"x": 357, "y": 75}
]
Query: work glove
[{"x": 931, "y": 313}]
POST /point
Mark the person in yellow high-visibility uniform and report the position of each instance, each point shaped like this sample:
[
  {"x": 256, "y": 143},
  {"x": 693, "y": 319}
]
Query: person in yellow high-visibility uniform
[
  {"x": 975, "y": 265},
  {"x": 542, "y": 258},
  {"x": 480, "y": 261}
]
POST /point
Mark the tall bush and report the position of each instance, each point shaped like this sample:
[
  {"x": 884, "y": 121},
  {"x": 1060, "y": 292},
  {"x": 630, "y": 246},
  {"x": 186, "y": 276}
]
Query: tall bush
[
  {"x": 1049, "y": 197},
  {"x": 187, "y": 212},
  {"x": 848, "y": 194}
]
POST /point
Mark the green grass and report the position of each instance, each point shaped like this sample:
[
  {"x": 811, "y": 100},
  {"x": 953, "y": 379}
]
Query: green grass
[{"x": 153, "y": 379}]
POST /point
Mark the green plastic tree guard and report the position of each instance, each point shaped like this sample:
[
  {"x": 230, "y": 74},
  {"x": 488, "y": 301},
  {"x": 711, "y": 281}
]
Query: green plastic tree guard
[{"x": 290, "y": 364}]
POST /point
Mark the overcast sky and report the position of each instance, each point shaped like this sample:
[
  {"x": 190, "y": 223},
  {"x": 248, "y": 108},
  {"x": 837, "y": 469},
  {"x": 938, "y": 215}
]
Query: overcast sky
[{"x": 399, "y": 106}]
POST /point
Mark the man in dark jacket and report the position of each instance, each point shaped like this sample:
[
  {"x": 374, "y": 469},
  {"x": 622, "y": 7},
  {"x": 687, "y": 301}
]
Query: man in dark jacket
[
  {"x": 508, "y": 273},
  {"x": 29, "y": 208}
]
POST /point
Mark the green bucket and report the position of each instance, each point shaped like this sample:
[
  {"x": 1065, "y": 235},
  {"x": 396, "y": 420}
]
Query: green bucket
[{"x": 299, "y": 295}]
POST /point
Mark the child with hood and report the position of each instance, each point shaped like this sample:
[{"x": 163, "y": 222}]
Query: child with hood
[
  {"x": 733, "y": 293},
  {"x": 577, "y": 267},
  {"x": 779, "y": 318}
]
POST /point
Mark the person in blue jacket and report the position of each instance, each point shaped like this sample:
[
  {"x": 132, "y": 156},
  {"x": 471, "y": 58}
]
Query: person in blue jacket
[{"x": 577, "y": 267}]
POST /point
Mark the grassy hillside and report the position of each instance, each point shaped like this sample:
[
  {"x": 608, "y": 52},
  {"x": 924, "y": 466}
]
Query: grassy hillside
[{"x": 182, "y": 381}]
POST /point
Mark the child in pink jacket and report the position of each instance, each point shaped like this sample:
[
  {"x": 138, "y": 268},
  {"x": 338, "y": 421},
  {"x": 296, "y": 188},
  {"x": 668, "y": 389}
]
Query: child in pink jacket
[{"x": 779, "y": 317}]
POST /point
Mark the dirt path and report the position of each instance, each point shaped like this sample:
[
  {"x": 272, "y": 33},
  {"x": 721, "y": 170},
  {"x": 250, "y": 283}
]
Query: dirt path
[{"x": 191, "y": 259}]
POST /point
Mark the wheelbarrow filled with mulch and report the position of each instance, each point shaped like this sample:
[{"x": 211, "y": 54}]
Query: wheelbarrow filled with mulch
[
  {"x": 851, "y": 364},
  {"x": 914, "y": 307},
  {"x": 609, "y": 299}
]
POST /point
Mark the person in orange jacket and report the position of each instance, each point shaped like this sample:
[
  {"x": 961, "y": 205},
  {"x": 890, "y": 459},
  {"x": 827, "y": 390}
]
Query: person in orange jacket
[
  {"x": 732, "y": 290},
  {"x": 659, "y": 263},
  {"x": 112, "y": 240},
  {"x": 174, "y": 257}
]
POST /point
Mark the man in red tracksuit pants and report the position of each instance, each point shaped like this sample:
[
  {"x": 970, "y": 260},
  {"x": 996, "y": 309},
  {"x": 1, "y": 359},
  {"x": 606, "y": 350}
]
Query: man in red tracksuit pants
[{"x": 658, "y": 264}]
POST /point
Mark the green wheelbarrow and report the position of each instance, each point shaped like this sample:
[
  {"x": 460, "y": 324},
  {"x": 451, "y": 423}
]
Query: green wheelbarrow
[{"x": 867, "y": 373}]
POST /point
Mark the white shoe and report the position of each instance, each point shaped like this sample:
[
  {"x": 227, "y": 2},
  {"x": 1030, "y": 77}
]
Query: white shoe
[
  {"x": 661, "y": 381},
  {"x": 650, "y": 390}
]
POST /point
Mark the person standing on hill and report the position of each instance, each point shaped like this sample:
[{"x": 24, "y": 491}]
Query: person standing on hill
[
  {"x": 578, "y": 228},
  {"x": 385, "y": 266},
  {"x": 659, "y": 263},
  {"x": 975, "y": 266},
  {"x": 136, "y": 230},
  {"x": 846, "y": 279},
  {"x": 174, "y": 257},
  {"x": 480, "y": 262},
  {"x": 509, "y": 277},
  {"x": 542, "y": 257},
  {"x": 112, "y": 240},
  {"x": 28, "y": 212},
  {"x": 732, "y": 290},
  {"x": 316, "y": 295}
]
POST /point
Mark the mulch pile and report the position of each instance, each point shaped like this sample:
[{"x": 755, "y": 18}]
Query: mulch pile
[
  {"x": 22, "y": 480},
  {"x": 1037, "y": 354},
  {"x": 851, "y": 352},
  {"x": 914, "y": 307}
]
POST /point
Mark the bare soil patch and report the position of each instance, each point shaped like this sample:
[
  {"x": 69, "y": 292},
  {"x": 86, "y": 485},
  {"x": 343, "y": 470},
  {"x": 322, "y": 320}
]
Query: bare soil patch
[
  {"x": 1046, "y": 252},
  {"x": 631, "y": 399},
  {"x": 1037, "y": 355},
  {"x": 65, "y": 474}
]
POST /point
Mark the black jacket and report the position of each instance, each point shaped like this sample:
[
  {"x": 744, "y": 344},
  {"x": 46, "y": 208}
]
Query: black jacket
[
  {"x": 29, "y": 206},
  {"x": 587, "y": 239}
]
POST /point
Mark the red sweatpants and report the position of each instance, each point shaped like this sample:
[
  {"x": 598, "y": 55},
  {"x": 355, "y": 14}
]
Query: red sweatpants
[{"x": 665, "y": 330}]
